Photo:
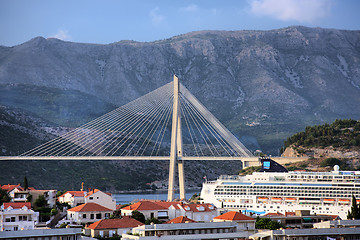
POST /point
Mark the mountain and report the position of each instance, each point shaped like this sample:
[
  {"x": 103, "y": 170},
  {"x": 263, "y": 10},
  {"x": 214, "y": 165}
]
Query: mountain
[{"x": 263, "y": 85}]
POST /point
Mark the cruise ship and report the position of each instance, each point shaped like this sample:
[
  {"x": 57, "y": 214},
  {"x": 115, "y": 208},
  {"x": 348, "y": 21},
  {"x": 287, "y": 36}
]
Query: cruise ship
[{"x": 274, "y": 189}]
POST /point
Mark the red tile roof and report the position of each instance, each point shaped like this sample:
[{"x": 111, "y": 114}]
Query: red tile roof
[
  {"x": 154, "y": 205},
  {"x": 333, "y": 217},
  {"x": 74, "y": 193},
  {"x": 17, "y": 205},
  {"x": 145, "y": 205},
  {"x": 168, "y": 204},
  {"x": 125, "y": 222},
  {"x": 95, "y": 191},
  {"x": 234, "y": 216},
  {"x": 92, "y": 192},
  {"x": 90, "y": 207},
  {"x": 181, "y": 219},
  {"x": 10, "y": 187},
  {"x": 290, "y": 214},
  {"x": 193, "y": 207},
  {"x": 274, "y": 214}
]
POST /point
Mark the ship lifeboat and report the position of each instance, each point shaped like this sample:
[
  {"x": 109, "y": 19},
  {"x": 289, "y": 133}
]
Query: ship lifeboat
[
  {"x": 276, "y": 199},
  {"x": 344, "y": 200},
  {"x": 357, "y": 200},
  {"x": 262, "y": 199},
  {"x": 290, "y": 199},
  {"x": 329, "y": 200}
]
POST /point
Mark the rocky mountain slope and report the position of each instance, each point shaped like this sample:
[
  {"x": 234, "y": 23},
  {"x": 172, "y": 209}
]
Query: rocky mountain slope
[{"x": 263, "y": 85}]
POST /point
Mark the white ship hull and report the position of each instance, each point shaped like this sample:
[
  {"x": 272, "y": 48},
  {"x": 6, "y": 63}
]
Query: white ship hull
[{"x": 323, "y": 193}]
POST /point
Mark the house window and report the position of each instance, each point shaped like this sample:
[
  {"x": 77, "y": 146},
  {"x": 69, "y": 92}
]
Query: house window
[
  {"x": 7, "y": 219},
  {"x": 16, "y": 228},
  {"x": 84, "y": 215},
  {"x": 91, "y": 198},
  {"x": 92, "y": 216},
  {"x": 98, "y": 216},
  {"x": 107, "y": 215},
  {"x": 12, "y": 219}
]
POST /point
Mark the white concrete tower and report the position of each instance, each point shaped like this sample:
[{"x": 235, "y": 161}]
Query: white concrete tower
[{"x": 176, "y": 147}]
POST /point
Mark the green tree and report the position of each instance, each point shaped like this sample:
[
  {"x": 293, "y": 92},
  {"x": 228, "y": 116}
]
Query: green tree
[
  {"x": 59, "y": 193},
  {"x": 138, "y": 216},
  {"x": 4, "y": 196},
  {"x": 354, "y": 212},
  {"x": 267, "y": 223},
  {"x": 40, "y": 202},
  {"x": 330, "y": 162},
  {"x": 26, "y": 186},
  {"x": 152, "y": 220},
  {"x": 116, "y": 214},
  {"x": 54, "y": 211}
]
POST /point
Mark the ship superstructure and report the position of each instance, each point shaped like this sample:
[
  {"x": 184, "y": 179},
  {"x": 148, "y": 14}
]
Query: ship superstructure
[{"x": 273, "y": 189}]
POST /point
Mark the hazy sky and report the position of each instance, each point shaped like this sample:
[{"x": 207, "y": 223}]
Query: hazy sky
[{"x": 107, "y": 21}]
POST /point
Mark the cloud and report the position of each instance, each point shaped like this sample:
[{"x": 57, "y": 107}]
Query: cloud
[
  {"x": 156, "y": 17},
  {"x": 191, "y": 8},
  {"x": 62, "y": 34},
  {"x": 299, "y": 10}
]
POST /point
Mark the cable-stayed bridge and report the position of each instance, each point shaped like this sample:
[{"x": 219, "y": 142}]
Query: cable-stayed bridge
[{"x": 168, "y": 123}]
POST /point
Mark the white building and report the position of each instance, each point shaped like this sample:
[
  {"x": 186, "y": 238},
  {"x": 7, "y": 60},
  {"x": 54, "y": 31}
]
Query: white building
[
  {"x": 16, "y": 192},
  {"x": 199, "y": 212},
  {"x": 43, "y": 234},
  {"x": 169, "y": 210},
  {"x": 172, "y": 231},
  {"x": 17, "y": 216},
  {"x": 244, "y": 223},
  {"x": 101, "y": 198},
  {"x": 88, "y": 213},
  {"x": 50, "y": 196},
  {"x": 149, "y": 209},
  {"x": 73, "y": 198},
  {"x": 110, "y": 227}
]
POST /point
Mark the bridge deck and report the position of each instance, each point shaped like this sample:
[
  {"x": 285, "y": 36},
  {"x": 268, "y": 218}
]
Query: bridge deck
[{"x": 248, "y": 161}]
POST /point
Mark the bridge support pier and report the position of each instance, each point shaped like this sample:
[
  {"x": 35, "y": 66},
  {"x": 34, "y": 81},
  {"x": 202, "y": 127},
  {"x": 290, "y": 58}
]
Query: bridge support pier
[{"x": 176, "y": 147}]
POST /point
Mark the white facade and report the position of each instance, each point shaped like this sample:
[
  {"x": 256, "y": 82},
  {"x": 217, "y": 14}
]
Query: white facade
[
  {"x": 166, "y": 211},
  {"x": 73, "y": 198},
  {"x": 198, "y": 213},
  {"x": 162, "y": 214},
  {"x": 261, "y": 193},
  {"x": 101, "y": 198},
  {"x": 88, "y": 216},
  {"x": 14, "y": 219},
  {"x": 210, "y": 230},
  {"x": 43, "y": 234},
  {"x": 19, "y": 195}
]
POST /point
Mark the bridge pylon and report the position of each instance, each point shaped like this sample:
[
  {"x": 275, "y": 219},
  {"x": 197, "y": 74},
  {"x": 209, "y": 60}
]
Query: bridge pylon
[{"x": 176, "y": 149}]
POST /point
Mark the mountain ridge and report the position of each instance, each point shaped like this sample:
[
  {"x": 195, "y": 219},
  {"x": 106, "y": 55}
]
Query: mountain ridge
[{"x": 255, "y": 82}]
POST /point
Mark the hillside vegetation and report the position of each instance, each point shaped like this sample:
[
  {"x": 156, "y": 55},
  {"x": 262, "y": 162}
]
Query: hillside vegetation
[
  {"x": 326, "y": 145},
  {"x": 341, "y": 133}
]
